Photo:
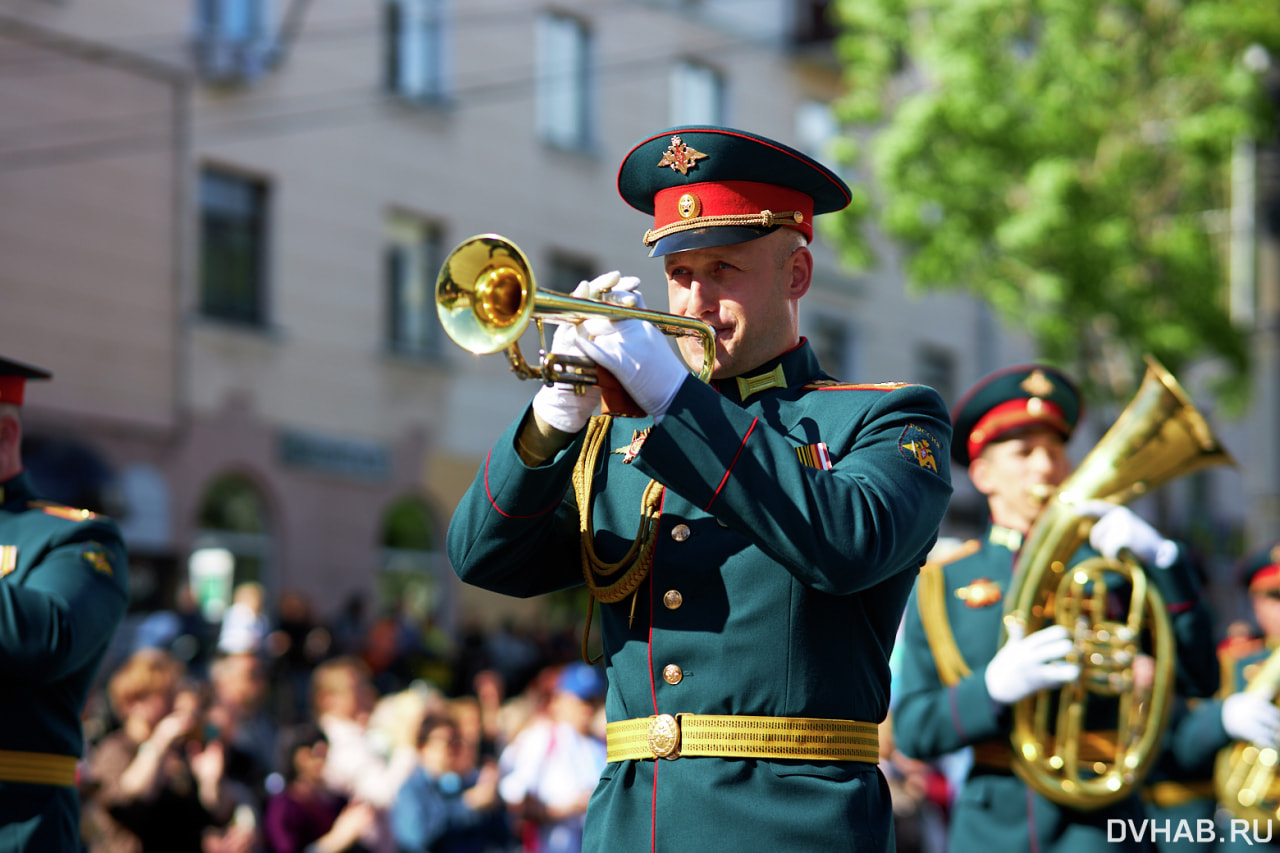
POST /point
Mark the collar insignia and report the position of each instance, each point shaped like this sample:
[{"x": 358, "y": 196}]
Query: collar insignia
[
  {"x": 680, "y": 157},
  {"x": 749, "y": 385},
  {"x": 981, "y": 593},
  {"x": 1037, "y": 384},
  {"x": 8, "y": 559}
]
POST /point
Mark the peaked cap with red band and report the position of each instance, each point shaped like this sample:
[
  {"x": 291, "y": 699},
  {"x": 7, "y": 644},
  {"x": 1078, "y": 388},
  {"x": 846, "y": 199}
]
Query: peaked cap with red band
[
  {"x": 13, "y": 380},
  {"x": 1260, "y": 571},
  {"x": 714, "y": 186},
  {"x": 1010, "y": 398}
]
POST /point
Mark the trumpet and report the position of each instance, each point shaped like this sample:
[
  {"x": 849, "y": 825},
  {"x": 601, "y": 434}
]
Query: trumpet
[{"x": 486, "y": 297}]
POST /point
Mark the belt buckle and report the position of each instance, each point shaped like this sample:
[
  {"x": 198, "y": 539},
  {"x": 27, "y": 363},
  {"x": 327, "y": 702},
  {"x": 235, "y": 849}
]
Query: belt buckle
[{"x": 664, "y": 736}]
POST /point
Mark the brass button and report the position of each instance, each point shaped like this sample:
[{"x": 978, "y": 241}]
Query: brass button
[
  {"x": 680, "y": 532},
  {"x": 671, "y": 599},
  {"x": 672, "y": 674}
]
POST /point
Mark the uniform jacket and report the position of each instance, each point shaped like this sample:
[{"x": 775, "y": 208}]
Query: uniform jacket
[
  {"x": 995, "y": 810},
  {"x": 776, "y": 590},
  {"x": 63, "y": 592}
]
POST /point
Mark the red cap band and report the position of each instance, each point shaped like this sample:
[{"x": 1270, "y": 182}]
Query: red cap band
[
  {"x": 11, "y": 389},
  {"x": 1012, "y": 414},
  {"x": 1268, "y": 577},
  {"x": 690, "y": 203}
]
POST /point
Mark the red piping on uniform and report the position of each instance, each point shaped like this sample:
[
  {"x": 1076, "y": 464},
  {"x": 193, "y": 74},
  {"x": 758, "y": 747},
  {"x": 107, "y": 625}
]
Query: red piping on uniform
[
  {"x": 1180, "y": 607},
  {"x": 653, "y": 684},
  {"x": 728, "y": 470},
  {"x": 494, "y": 503},
  {"x": 1031, "y": 822},
  {"x": 955, "y": 711}
]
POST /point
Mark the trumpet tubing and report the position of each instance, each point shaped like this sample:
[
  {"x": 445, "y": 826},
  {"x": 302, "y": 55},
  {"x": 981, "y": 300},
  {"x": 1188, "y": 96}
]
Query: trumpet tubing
[
  {"x": 1245, "y": 775},
  {"x": 486, "y": 297}
]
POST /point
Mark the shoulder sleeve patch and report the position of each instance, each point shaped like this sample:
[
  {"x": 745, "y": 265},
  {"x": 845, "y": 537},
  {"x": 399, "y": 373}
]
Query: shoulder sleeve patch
[
  {"x": 96, "y": 556},
  {"x": 920, "y": 446}
]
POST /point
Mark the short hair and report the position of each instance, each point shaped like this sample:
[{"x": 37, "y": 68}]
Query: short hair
[
  {"x": 147, "y": 672},
  {"x": 432, "y": 721},
  {"x": 325, "y": 678},
  {"x": 291, "y": 739}
]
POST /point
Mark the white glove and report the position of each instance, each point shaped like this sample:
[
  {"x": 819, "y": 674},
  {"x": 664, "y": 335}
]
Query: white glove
[
  {"x": 558, "y": 405},
  {"x": 1119, "y": 527},
  {"x": 1025, "y": 665},
  {"x": 638, "y": 356},
  {"x": 1250, "y": 717}
]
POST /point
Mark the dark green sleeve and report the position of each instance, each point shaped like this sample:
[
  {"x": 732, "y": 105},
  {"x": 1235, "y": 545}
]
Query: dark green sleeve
[
  {"x": 874, "y": 514},
  {"x": 1196, "y": 735},
  {"x": 68, "y": 605},
  {"x": 931, "y": 719},
  {"x": 516, "y": 529},
  {"x": 1197, "y": 669}
]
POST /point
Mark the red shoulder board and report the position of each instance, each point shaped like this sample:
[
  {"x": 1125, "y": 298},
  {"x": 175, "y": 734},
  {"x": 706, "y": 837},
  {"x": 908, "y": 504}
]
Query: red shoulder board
[
  {"x": 69, "y": 513},
  {"x": 832, "y": 385}
]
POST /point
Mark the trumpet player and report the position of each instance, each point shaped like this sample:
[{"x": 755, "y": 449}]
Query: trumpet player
[
  {"x": 751, "y": 541},
  {"x": 958, "y": 682}
]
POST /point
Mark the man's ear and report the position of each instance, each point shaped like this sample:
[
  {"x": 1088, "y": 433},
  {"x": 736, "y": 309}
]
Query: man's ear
[
  {"x": 801, "y": 263},
  {"x": 980, "y": 474}
]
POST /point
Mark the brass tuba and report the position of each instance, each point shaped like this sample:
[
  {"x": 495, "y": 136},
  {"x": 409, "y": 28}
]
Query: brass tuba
[
  {"x": 486, "y": 297},
  {"x": 1243, "y": 774},
  {"x": 1158, "y": 436}
]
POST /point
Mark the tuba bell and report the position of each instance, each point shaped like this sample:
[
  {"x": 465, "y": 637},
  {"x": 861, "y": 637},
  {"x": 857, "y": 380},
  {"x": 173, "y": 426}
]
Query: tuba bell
[
  {"x": 1159, "y": 436},
  {"x": 1245, "y": 775},
  {"x": 486, "y": 297}
]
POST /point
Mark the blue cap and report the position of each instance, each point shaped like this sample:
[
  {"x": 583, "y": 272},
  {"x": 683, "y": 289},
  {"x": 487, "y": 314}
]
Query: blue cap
[{"x": 582, "y": 680}]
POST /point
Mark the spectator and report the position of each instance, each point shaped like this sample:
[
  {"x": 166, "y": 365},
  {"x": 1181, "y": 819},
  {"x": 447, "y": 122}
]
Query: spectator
[
  {"x": 306, "y": 815},
  {"x": 245, "y": 625},
  {"x": 553, "y": 765},
  {"x": 440, "y": 810},
  {"x": 343, "y": 697},
  {"x": 238, "y": 713},
  {"x": 297, "y": 646},
  {"x": 161, "y": 782}
]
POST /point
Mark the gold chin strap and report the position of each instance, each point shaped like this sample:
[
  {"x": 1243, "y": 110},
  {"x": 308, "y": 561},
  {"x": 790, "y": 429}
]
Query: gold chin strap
[
  {"x": 634, "y": 565},
  {"x": 748, "y": 385}
]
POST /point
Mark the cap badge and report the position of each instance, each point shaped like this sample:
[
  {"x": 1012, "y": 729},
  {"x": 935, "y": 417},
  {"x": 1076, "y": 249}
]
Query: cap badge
[
  {"x": 689, "y": 206},
  {"x": 980, "y": 593},
  {"x": 1037, "y": 384},
  {"x": 680, "y": 157}
]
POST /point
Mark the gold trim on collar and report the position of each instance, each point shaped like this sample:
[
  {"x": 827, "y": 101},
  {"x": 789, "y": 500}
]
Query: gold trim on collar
[
  {"x": 1010, "y": 539},
  {"x": 749, "y": 385}
]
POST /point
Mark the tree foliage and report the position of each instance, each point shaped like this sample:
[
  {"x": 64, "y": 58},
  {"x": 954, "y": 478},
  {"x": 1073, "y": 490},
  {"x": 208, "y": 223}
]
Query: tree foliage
[{"x": 1068, "y": 161}]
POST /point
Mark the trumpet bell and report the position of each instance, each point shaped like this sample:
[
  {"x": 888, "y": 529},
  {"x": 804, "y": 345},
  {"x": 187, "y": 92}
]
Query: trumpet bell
[{"x": 484, "y": 294}]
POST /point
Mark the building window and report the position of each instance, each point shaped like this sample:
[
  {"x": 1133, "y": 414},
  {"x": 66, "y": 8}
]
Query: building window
[
  {"x": 563, "y": 81},
  {"x": 816, "y": 129},
  {"x": 567, "y": 271},
  {"x": 233, "y": 543},
  {"x": 414, "y": 255},
  {"x": 936, "y": 368},
  {"x": 697, "y": 94},
  {"x": 233, "y": 247},
  {"x": 416, "y": 46},
  {"x": 232, "y": 42}
]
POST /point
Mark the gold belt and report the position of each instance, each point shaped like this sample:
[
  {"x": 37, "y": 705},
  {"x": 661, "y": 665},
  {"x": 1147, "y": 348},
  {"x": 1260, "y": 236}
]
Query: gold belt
[
  {"x": 734, "y": 736},
  {"x": 1169, "y": 793},
  {"x": 37, "y": 768}
]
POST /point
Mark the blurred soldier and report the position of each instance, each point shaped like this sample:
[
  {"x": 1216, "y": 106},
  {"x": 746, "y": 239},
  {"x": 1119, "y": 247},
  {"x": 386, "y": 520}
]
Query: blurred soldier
[
  {"x": 63, "y": 591},
  {"x": 1011, "y": 430}
]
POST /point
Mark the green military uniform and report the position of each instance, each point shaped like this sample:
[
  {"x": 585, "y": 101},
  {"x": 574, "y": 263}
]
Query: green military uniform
[
  {"x": 952, "y": 631},
  {"x": 790, "y": 514},
  {"x": 1178, "y": 791},
  {"x": 63, "y": 591}
]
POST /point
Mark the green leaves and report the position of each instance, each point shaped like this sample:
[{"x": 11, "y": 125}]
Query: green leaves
[{"x": 1065, "y": 160}]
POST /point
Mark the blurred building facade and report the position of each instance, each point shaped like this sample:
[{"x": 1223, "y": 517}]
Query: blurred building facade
[{"x": 223, "y": 221}]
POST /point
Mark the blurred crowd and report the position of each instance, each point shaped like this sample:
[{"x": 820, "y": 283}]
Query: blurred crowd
[{"x": 274, "y": 731}]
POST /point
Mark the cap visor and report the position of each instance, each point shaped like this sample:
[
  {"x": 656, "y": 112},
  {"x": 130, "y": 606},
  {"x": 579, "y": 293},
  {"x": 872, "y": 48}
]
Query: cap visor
[{"x": 706, "y": 238}]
